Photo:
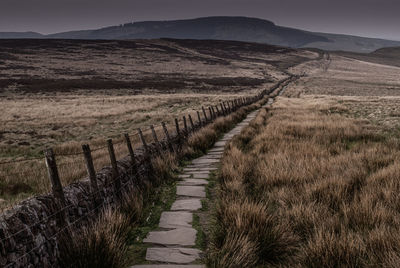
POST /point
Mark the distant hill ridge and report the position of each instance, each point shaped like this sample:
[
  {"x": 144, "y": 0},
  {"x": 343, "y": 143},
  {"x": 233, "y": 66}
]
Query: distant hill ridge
[{"x": 223, "y": 28}]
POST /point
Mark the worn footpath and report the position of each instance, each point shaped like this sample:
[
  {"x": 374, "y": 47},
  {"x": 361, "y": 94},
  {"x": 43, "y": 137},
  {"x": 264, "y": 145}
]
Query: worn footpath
[{"x": 173, "y": 245}]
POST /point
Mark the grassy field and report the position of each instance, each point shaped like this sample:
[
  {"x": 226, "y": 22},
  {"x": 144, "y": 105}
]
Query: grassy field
[
  {"x": 341, "y": 76},
  {"x": 64, "y": 93},
  {"x": 307, "y": 186}
]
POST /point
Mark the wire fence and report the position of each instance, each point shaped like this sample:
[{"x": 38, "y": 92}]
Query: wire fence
[{"x": 104, "y": 204}]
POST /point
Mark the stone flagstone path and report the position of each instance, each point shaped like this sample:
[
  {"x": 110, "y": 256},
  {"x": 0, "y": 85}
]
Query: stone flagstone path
[{"x": 173, "y": 245}]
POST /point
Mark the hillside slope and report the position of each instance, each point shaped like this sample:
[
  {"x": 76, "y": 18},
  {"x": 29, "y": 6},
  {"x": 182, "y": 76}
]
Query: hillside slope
[
  {"x": 224, "y": 28},
  {"x": 386, "y": 56},
  {"x": 220, "y": 28},
  {"x": 351, "y": 43}
]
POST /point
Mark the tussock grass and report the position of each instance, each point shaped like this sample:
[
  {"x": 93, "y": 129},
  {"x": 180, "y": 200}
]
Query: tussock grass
[
  {"x": 102, "y": 244},
  {"x": 164, "y": 166},
  {"x": 303, "y": 186}
]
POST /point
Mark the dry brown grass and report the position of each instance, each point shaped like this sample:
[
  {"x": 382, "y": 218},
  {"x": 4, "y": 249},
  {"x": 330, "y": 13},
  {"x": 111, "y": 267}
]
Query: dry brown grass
[
  {"x": 22, "y": 179},
  {"x": 102, "y": 244},
  {"x": 311, "y": 187},
  {"x": 341, "y": 76}
]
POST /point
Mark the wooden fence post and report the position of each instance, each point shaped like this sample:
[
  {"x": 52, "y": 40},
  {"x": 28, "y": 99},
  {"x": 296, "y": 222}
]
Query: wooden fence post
[
  {"x": 94, "y": 188},
  {"x": 171, "y": 148},
  {"x": 204, "y": 113},
  {"x": 130, "y": 150},
  {"x": 185, "y": 126},
  {"x": 115, "y": 172},
  {"x": 178, "y": 133},
  {"x": 191, "y": 122},
  {"x": 218, "y": 112},
  {"x": 199, "y": 118},
  {"x": 146, "y": 149},
  {"x": 158, "y": 145},
  {"x": 222, "y": 109},
  {"x": 213, "y": 111},
  {"x": 229, "y": 107},
  {"x": 56, "y": 186},
  {"x": 211, "y": 114}
]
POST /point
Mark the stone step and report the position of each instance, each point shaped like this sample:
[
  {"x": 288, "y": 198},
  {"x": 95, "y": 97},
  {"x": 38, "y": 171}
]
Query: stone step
[
  {"x": 204, "y": 171},
  {"x": 200, "y": 175},
  {"x": 191, "y": 204},
  {"x": 176, "y": 219},
  {"x": 173, "y": 255},
  {"x": 220, "y": 144},
  {"x": 217, "y": 150},
  {"x": 205, "y": 161},
  {"x": 211, "y": 156},
  {"x": 179, "y": 236},
  {"x": 193, "y": 182},
  {"x": 168, "y": 266},
  {"x": 199, "y": 168},
  {"x": 193, "y": 191}
]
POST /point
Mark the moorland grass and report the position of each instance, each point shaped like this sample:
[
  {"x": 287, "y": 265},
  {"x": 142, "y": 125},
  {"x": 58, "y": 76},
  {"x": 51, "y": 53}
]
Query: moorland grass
[{"x": 304, "y": 186}]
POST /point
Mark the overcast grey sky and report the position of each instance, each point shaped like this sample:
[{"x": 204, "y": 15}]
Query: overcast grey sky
[{"x": 375, "y": 18}]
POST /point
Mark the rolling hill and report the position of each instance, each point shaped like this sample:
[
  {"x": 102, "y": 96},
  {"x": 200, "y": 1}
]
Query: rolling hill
[
  {"x": 386, "y": 56},
  {"x": 223, "y": 28}
]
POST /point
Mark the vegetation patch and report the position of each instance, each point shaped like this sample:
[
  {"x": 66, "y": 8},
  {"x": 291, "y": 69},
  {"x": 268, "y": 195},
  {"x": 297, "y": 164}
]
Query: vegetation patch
[{"x": 310, "y": 189}]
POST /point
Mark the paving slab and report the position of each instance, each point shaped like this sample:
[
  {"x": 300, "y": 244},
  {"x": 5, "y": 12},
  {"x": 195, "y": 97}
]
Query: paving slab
[
  {"x": 216, "y": 149},
  {"x": 190, "y": 204},
  {"x": 211, "y": 156},
  {"x": 205, "y": 161},
  {"x": 179, "y": 236},
  {"x": 220, "y": 144},
  {"x": 176, "y": 219},
  {"x": 216, "y": 153},
  {"x": 173, "y": 255},
  {"x": 201, "y": 175},
  {"x": 184, "y": 176},
  {"x": 194, "y": 191},
  {"x": 168, "y": 266},
  {"x": 193, "y": 182},
  {"x": 199, "y": 168}
]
